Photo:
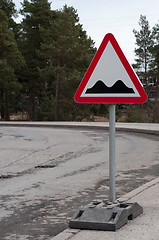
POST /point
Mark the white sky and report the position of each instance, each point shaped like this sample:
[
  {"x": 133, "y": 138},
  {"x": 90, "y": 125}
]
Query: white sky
[{"x": 118, "y": 17}]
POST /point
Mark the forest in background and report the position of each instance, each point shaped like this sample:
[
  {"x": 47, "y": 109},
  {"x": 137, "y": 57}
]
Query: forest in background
[{"x": 45, "y": 56}]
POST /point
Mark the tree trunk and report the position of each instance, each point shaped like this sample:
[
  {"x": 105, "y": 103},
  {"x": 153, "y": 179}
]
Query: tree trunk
[
  {"x": 145, "y": 63},
  {"x": 57, "y": 89},
  {"x": 7, "y": 113},
  {"x": 57, "y": 96},
  {"x": 2, "y": 104},
  {"x": 32, "y": 107}
]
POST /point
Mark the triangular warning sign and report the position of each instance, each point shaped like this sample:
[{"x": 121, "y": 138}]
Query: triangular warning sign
[{"x": 110, "y": 78}]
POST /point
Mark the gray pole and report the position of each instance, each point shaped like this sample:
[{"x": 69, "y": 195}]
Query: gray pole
[{"x": 112, "y": 192}]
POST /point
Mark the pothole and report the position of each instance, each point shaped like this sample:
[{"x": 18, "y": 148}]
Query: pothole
[
  {"x": 6, "y": 176},
  {"x": 45, "y": 166}
]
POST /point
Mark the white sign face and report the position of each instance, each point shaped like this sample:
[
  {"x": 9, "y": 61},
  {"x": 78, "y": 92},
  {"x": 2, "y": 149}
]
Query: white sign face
[
  {"x": 109, "y": 70},
  {"x": 110, "y": 78}
]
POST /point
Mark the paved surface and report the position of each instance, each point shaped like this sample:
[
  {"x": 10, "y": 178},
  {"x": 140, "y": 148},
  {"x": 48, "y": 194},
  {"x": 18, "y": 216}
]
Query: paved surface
[
  {"x": 144, "y": 227},
  {"x": 37, "y": 191}
]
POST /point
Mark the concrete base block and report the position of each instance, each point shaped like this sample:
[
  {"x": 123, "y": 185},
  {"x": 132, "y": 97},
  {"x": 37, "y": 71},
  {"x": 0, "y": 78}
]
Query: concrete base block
[{"x": 105, "y": 216}]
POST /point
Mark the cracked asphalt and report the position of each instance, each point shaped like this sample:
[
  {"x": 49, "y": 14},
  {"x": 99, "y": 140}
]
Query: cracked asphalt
[{"x": 47, "y": 173}]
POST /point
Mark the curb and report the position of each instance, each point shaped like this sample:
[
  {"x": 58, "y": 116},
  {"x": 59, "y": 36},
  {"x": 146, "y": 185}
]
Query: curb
[
  {"x": 139, "y": 190},
  {"x": 148, "y": 128}
]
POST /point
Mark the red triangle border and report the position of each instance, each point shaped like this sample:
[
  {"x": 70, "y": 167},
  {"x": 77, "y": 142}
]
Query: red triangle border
[{"x": 143, "y": 97}]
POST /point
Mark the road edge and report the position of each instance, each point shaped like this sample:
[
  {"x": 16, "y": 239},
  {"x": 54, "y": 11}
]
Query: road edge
[{"x": 148, "y": 128}]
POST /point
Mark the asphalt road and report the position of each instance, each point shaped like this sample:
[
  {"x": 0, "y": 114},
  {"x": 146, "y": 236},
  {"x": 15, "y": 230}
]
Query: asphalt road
[{"x": 47, "y": 173}]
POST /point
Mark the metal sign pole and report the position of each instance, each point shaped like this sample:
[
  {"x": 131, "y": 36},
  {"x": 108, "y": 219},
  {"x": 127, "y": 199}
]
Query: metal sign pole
[
  {"x": 112, "y": 192},
  {"x": 109, "y": 63}
]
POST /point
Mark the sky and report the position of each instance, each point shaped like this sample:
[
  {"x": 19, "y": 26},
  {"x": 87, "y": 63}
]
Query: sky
[{"x": 118, "y": 17}]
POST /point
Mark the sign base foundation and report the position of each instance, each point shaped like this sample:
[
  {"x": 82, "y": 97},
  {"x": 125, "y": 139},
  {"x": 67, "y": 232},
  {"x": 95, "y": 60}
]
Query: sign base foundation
[{"x": 104, "y": 216}]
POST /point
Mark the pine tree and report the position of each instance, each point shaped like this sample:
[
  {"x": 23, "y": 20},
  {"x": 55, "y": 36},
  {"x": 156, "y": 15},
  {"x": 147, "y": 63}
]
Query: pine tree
[
  {"x": 9, "y": 8},
  {"x": 10, "y": 62},
  {"x": 68, "y": 51},
  {"x": 155, "y": 63},
  {"x": 144, "y": 42},
  {"x": 36, "y": 15}
]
